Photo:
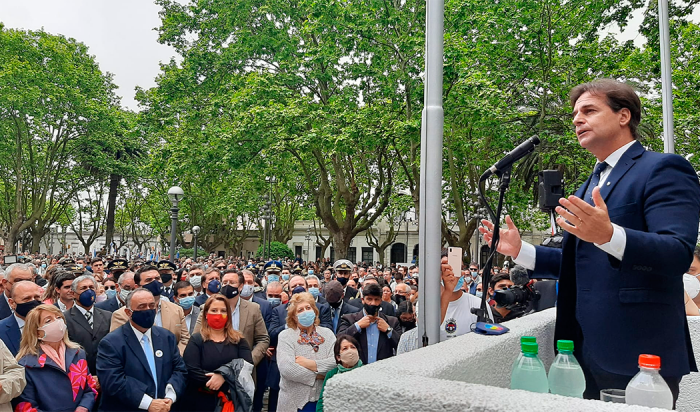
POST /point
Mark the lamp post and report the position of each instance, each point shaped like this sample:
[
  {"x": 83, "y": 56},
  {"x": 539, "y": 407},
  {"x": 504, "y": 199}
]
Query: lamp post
[
  {"x": 265, "y": 206},
  {"x": 175, "y": 194},
  {"x": 308, "y": 238},
  {"x": 195, "y": 232}
]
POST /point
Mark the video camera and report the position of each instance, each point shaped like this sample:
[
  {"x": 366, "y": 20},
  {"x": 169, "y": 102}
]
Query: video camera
[{"x": 517, "y": 296}]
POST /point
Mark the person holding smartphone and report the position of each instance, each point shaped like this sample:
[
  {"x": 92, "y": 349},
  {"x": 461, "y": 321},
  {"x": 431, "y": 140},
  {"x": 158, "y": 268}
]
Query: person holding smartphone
[{"x": 377, "y": 333}]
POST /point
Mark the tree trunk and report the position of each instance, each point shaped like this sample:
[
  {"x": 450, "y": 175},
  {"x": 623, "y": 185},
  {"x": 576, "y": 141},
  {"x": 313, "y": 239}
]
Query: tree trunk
[
  {"x": 114, "y": 181},
  {"x": 37, "y": 235},
  {"x": 341, "y": 243}
]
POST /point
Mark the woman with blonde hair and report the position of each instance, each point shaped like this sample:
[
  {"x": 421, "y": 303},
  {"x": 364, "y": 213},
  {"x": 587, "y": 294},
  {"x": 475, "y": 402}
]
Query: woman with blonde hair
[
  {"x": 304, "y": 355},
  {"x": 217, "y": 344},
  {"x": 56, "y": 368}
]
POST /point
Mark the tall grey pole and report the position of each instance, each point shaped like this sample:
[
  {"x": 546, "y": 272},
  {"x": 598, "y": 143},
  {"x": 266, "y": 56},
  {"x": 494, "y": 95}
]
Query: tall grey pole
[
  {"x": 666, "y": 80},
  {"x": 195, "y": 249},
  {"x": 173, "y": 228},
  {"x": 429, "y": 221}
]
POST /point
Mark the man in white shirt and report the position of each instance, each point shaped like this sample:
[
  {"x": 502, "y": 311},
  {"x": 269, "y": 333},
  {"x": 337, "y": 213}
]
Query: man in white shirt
[{"x": 456, "y": 317}]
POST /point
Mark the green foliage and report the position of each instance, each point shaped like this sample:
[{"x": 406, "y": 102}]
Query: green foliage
[
  {"x": 276, "y": 250},
  {"x": 185, "y": 253}
]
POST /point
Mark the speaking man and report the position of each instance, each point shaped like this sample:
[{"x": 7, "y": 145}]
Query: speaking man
[{"x": 630, "y": 233}]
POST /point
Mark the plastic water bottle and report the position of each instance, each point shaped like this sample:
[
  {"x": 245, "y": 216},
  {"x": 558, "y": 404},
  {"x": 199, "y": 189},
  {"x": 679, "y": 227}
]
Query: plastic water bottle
[
  {"x": 648, "y": 388},
  {"x": 523, "y": 339},
  {"x": 529, "y": 374},
  {"x": 565, "y": 376}
]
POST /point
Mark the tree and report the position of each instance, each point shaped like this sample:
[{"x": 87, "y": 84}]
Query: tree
[
  {"x": 277, "y": 250},
  {"x": 90, "y": 215}
]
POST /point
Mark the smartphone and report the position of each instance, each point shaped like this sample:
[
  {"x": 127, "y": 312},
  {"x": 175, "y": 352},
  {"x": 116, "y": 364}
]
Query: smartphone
[{"x": 454, "y": 258}]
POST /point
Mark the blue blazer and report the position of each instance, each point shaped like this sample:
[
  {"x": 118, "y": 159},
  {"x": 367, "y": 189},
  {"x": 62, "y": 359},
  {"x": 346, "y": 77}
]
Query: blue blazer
[
  {"x": 621, "y": 309},
  {"x": 124, "y": 373},
  {"x": 110, "y": 304},
  {"x": 10, "y": 334},
  {"x": 201, "y": 299},
  {"x": 265, "y": 309},
  {"x": 5, "y": 311}
]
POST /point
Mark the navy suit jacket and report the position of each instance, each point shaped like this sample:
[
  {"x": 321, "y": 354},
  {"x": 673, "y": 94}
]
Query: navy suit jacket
[
  {"x": 279, "y": 320},
  {"x": 124, "y": 373},
  {"x": 201, "y": 299},
  {"x": 110, "y": 304},
  {"x": 265, "y": 310},
  {"x": 10, "y": 334},
  {"x": 620, "y": 309},
  {"x": 5, "y": 311}
]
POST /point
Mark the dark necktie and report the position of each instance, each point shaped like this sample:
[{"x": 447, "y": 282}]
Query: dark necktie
[
  {"x": 88, "y": 317},
  {"x": 595, "y": 179}
]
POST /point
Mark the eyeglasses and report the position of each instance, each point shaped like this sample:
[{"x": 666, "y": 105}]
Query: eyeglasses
[
  {"x": 110, "y": 287},
  {"x": 221, "y": 267}
]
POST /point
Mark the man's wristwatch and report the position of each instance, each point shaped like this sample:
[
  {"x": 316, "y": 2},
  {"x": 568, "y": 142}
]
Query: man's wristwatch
[{"x": 388, "y": 330}]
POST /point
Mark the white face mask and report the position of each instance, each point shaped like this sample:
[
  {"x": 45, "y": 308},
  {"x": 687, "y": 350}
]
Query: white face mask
[{"x": 691, "y": 284}]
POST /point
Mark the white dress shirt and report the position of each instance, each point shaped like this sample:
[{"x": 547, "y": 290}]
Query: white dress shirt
[
  {"x": 169, "y": 390},
  {"x": 236, "y": 316},
  {"x": 20, "y": 322},
  {"x": 615, "y": 247}
]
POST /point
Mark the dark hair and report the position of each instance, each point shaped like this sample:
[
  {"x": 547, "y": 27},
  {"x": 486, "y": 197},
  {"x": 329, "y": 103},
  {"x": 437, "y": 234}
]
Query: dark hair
[
  {"x": 241, "y": 278},
  {"x": 62, "y": 277},
  {"x": 142, "y": 269},
  {"x": 181, "y": 285},
  {"x": 618, "y": 95},
  {"x": 372, "y": 290},
  {"x": 498, "y": 278},
  {"x": 96, "y": 260},
  {"x": 339, "y": 341},
  {"x": 404, "y": 307}
]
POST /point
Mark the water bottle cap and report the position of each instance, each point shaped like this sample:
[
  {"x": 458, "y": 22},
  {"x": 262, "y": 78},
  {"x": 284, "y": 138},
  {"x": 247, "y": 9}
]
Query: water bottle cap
[
  {"x": 650, "y": 361},
  {"x": 567, "y": 345},
  {"x": 524, "y": 339},
  {"x": 529, "y": 347}
]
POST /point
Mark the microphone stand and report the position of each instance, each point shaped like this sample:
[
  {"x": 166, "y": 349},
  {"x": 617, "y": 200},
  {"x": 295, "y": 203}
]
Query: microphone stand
[{"x": 482, "y": 313}]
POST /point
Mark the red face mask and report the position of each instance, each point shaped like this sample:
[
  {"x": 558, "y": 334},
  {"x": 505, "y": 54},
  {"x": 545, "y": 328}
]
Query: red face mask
[{"x": 217, "y": 320}]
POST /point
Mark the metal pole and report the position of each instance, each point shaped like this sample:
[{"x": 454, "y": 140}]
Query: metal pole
[
  {"x": 173, "y": 228},
  {"x": 431, "y": 177},
  {"x": 195, "y": 249},
  {"x": 666, "y": 80}
]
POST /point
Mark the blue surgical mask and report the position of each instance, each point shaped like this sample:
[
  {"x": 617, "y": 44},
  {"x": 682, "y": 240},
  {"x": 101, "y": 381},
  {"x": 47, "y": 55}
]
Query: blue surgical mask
[
  {"x": 311, "y": 271},
  {"x": 43, "y": 265},
  {"x": 285, "y": 277},
  {"x": 214, "y": 286},
  {"x": 247, "y": 291},
  {"x": 306, "y": 318},
  {"x": 459, "y": 285},
  {"x": 315, "y": 292},
  {"x": 273, "y": 278},
  {"x": 186, "y": 302},
  {"x": 479, "y": 294},
  {"x": 111, "y": 293},
  {"x": 274, "y": 302}
]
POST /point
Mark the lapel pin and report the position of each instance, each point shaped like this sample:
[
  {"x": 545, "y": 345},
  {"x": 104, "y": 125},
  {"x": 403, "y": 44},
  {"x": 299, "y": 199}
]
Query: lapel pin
[
  {"x": 608, "y": 184},
  {"x": 159, "y": 353}
]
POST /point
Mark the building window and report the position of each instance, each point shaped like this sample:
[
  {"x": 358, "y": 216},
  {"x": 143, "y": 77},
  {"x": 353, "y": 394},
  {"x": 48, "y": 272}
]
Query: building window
[
  {"x": 318, "y": 252},
  {"x": 297, "y": 251},
  {"x": 352, "y": 254},
  {"x": 368, "y": 255}
]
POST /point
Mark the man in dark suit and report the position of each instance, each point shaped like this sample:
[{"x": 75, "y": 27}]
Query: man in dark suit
[
  {"x": 384, "y": 307},
  {"x": 167, "y": 270},
  {"x": 343, "y": 269},
  {"x": 25, "y": 297},
  {"x": 377, "y": 333},
  {"x": 247, "y": 294},
  {"x": 211, "y": 284},
  {"x": 630, "y": 233},
  {"x": 139, "y": 365},
  {"x": 124, "y": 286},
  {"x": 87, "y": 324},
  {"x": 183, "y": 296},
  {"x": 334, "y": 296},
  {"x": 314, "y": 287},
  {"x": 16, "y": 272}
]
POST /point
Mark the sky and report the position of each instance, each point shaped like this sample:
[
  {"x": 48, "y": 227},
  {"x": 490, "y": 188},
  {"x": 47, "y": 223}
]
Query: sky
[{"x": 121, "y": 34}]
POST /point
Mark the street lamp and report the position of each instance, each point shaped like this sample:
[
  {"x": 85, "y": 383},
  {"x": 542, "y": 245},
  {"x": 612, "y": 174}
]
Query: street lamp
[
  {"x": 265, "y": 208},
  {"x": 175, "y": 194},
  {"x": 308, "y": 238},
  {"x": 195, "y": 231}
]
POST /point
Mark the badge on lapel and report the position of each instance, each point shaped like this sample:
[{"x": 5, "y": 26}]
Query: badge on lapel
[{"x": 159, "y": 353}]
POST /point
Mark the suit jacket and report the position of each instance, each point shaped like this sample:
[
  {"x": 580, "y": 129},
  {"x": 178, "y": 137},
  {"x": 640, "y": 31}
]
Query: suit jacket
[
  {"x": 80, "y": 332},
  {"x": 252, "y": 326},
  {"x": 265, "y": 309},
  {"x": 168, "y": 295},
  {"x": 350, "y": 294},
  {"x": 124, "y": 374},
  {"x": 620, "y": 309},
  {"x": 13, "y": 379},
  {"x": 279, "y": 320},
  {"x": 201, "y": 299},
  {"x": 172, "y": 317},
  {"x": 345, "y": 309},
  {"x": 193, "y": 319},
  {"x": 386, "y": 347},
  {"x": 384, "y": 307},
  {"x": 110, "y": 305},
  {"x": 10, "y": 334},
  {"x": 5, "y": 310}
]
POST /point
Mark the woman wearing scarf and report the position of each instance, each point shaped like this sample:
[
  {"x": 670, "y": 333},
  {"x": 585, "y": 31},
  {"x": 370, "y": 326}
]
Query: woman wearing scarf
[
  {"x": 346, "y": 356},
  {"x": 56, "y": 368},
  {"x": 304, "y": 355}
]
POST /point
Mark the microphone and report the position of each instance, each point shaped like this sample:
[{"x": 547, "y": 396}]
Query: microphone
[
  {"x": 525, "y": 148},
  {"x": 518, "y": 275}
]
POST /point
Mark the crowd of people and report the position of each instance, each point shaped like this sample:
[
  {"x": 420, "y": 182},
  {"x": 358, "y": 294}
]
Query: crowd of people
[{"x": 107, "y": 334}]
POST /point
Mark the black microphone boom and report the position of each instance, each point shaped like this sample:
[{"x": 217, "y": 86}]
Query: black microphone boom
[{"x": 525, "y": 148}]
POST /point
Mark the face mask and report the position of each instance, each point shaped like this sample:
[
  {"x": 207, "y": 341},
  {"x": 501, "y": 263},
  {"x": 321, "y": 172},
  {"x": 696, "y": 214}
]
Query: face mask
[
  {"x": 475, "y": 274},
  {"x": 196, "y": 281},
  {"x": 306, "y": 318},
  {"x": 285, "y": 277},
  {"x": 22, "y": 309},
  {"x": 298, "y": 289},
  {"x": 214, "y": 286},
  {"x": 399, "y": 298},
  {"x": 43, "y": 265},
  {"x": 54, "y": 331},
  {"x": 123, "y": 294},
  {"x": 258, "y": 289},
  {"x": 372, "y": 310},
  {"x": 229, "y": 291},
  {"x": 407, "y": 324},
  {"x": 479, "y": 294},
  {"x": 154, "y": 287},
  {"x": 335, "y": 305},
  {"x": 144, "y": 318},
  {"x": 186, "y": 302},
  {"x": 311, "y": 271},
  {"x": 167, "y": 277},
  {"x": 111, "y": 293},
  {"x": 101, "y": 298},
  {"x": 272, "y": 278},
  {"x": 87, "y": 298},
  {"x": 349, "y": 357},
  {"x": 315, "y": 292},
  {"x": 217, "y": 321},
  {"x": 343, "y": 281},
  {"x": 247, "y": 291},
  {"x": 459, "y": 284},
  {"x": 691, "y": 284},
  {"x": 274, "y": 302}
]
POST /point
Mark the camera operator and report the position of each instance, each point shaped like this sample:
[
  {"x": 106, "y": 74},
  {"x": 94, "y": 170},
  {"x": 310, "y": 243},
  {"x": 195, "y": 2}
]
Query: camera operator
[{"x": 501, "y": 314}]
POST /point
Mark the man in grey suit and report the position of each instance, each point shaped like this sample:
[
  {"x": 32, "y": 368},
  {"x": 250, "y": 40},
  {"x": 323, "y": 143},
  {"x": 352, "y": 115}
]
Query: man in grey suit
[
  {"x": 183, "y": 296},
  {"x": 86, "y": 324}
]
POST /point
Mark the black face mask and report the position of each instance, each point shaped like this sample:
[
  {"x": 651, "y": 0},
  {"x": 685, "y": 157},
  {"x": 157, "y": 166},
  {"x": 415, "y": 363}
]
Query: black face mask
[
  {"x": 399, "y": 298},
  {"x": 23, "y": 309},
  {"x": 229, "y": 291},
  {"x": 336, "y": 305},
  {"x": 166, "y": 277},
  {"x": 407, "y": 324},
  {"x": 343, "y": 281},
  {"x": 372, "y": 310}
]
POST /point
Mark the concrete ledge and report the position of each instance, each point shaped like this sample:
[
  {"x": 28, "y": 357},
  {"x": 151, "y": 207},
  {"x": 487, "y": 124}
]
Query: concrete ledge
[{"x": 472, "y": 372}]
